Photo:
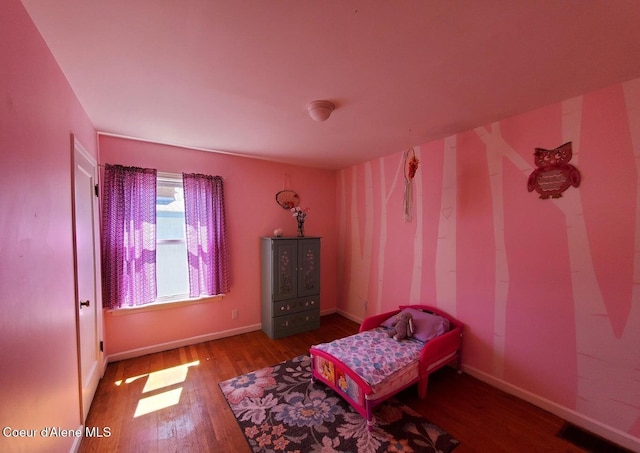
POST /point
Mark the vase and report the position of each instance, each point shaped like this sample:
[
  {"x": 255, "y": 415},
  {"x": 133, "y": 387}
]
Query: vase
[{"x": 300, "y": 228}]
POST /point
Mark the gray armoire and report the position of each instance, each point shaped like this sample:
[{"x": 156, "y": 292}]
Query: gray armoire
[{"x": 290, "y": 279}]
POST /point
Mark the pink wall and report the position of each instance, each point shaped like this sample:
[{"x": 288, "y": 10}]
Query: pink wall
[
  {"x": 250, "y": 186},
  {"x": 545, "y": 287},
  {"x": 38, "y": 112}
]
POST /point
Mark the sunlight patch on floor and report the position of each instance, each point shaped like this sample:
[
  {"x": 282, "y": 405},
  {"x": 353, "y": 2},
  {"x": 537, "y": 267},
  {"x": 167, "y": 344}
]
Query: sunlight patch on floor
[
  {"x": 156, "y": 402},
  {"x": 162, "y": 378},
  {"x": 168, "y": 377},
  {"x": 158, "y": 380}
]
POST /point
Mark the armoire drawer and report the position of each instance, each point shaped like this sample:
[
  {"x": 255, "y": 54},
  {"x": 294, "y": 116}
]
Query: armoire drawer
[
  {"x": 296, "y": 323},
  {"x": 287, "y": 307}
]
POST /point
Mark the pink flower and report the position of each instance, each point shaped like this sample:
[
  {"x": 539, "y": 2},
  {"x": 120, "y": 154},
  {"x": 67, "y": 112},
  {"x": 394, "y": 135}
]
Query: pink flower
[{"x": 250, "y": 385}]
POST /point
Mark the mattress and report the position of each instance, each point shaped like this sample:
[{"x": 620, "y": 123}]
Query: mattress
[{"x": 382, "y": 362}]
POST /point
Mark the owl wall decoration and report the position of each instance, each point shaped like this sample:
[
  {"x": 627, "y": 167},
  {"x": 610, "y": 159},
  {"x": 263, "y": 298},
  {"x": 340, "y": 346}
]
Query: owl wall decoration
[{"x": 554, "y": 174}]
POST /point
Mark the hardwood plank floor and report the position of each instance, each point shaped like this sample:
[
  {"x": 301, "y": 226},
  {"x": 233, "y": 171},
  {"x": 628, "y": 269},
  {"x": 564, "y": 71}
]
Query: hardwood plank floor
[{"x": 170, "y": 401}]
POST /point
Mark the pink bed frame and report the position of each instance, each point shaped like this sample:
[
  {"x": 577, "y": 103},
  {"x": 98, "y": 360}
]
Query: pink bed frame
[{"x": 435, "y": 354}]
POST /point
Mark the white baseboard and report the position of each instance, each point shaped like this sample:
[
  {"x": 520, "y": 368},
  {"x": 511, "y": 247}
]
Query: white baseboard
[
  {"x": 180, "y": 343},
  {"x": 614, "y": 435},
  {"x": 349, "y": 316}
]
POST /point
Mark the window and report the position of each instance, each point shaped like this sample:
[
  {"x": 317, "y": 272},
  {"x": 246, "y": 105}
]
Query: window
[
  {"x": 164, "y": 237},
  {"x": 172, "y": 272}
]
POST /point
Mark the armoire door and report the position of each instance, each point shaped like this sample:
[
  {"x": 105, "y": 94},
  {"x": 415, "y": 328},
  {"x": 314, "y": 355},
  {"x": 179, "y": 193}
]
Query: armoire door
[
  {"x": 308, "y": 267},
  {"x": 285, "y": 269}
]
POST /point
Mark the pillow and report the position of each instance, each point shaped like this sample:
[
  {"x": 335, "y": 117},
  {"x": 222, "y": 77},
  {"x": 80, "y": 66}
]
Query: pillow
[{"x": 426, "y": 325}]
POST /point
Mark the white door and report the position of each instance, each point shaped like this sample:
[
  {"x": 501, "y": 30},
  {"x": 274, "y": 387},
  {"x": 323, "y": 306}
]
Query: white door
[{"x": 86, "y": 253}]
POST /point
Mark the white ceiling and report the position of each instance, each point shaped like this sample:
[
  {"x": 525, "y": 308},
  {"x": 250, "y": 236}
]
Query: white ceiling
[{"x": 236, "y": 75}]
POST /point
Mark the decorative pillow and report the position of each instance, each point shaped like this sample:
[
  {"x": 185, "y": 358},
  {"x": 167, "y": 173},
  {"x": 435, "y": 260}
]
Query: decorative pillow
[{"x": 426, "y": 325}]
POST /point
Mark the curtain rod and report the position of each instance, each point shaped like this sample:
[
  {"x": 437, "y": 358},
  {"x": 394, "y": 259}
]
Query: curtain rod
[{"x": 168, "y": 174}]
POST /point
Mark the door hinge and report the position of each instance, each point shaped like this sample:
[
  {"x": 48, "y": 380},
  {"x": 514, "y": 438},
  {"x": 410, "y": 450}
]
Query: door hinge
[
  {"x": 101, "y": 346},
  {"x": 96, "y": 189}
]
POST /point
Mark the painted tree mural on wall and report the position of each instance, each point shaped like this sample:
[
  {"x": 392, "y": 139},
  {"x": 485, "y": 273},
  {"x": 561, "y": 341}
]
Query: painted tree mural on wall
[
  {"x": 497, "y": 151},
  {"x": 603, "y": 381},
  {"x": 446, "y": 275},
  {"x": 360, "y": 243},
  {"x": 599, "y": 377},
  {"x": 385, "y": 195}
]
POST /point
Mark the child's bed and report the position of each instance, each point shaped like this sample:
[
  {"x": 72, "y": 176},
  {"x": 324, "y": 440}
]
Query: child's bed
[{"x": 370, "y": 367}]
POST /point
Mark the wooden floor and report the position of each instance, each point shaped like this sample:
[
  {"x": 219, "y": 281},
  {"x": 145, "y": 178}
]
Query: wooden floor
[{"x": 171, "y": 402}]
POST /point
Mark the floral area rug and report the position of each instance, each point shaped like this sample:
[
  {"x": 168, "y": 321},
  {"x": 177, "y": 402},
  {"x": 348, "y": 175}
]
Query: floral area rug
[{"x": 278, "y": 408}]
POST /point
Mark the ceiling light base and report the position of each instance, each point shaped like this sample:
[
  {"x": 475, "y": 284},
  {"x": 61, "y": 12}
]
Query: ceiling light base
[{"x": 320, "y": 110}]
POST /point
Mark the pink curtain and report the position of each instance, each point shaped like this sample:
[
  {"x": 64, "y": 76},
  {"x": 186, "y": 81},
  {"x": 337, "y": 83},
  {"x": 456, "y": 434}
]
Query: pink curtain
[
  {"x": 128, "y": 236},
  {"x": 206, "y": 235}
]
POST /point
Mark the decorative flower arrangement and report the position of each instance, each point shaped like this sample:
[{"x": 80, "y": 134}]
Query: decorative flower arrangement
[{"x": 300, "y": 214}]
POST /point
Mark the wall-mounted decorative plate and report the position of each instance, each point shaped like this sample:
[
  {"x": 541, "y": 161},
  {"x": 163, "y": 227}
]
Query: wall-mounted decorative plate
[{"x": 287, "y": 199}]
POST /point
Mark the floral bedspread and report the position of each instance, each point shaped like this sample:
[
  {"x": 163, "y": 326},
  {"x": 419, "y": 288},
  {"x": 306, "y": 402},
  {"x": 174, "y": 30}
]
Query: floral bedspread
[{"x": 372, "y": 354}]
